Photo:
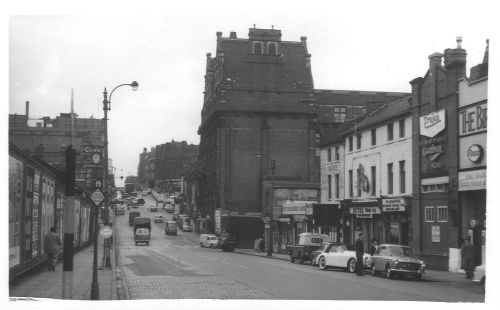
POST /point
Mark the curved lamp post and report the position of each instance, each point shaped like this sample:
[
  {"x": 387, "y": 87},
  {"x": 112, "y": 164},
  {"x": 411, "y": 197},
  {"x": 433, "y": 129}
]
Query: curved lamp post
[{"x": 94, "y": 291}]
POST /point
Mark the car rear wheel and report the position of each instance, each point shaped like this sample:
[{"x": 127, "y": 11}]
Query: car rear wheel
[
  {"x": 201, "y": 244},
  {"x": 292, "y": 259},
  {"x": 351, "y": 265},
  {"x": 322, "y": 263}
]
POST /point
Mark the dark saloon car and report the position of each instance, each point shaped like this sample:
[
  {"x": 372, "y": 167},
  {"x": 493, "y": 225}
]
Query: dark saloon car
[{"x": 394, "y": 259}]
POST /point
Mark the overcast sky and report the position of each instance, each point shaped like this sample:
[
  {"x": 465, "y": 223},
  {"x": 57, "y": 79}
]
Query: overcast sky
[{"x": 374, "y": 48}]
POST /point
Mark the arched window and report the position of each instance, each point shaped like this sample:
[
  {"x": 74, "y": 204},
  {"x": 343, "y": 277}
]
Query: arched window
[
  {"x": 271, "y": 49},
  {"x": 257, "y": 48}
]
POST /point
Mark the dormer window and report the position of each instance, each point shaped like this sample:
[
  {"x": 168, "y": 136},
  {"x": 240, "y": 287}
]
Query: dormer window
[
  {"x": 257, "y": 48},
  {"x": 272, "y": 49}
]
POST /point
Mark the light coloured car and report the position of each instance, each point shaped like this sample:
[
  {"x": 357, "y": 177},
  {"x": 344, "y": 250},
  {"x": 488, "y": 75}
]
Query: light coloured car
[
  {"x": 394, "y": 259},
  {"x": 324, "y": 248},
  {"x": 208, "y": 240},
  {"x": 158, "y": 218},
  {"x": 339, "y": 256},
  {"x": 186, "y": 226},
  {"x": 480, "y": 274}
]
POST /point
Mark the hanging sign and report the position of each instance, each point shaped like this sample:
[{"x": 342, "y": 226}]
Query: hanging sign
[{"x": 432, "y": 124}]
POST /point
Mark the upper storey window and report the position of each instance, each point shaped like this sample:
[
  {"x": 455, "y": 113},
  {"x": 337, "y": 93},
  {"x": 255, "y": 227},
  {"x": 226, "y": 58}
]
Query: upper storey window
[
  {"x": 271, "y": 49},
  {"x": 257, "y": 48}
]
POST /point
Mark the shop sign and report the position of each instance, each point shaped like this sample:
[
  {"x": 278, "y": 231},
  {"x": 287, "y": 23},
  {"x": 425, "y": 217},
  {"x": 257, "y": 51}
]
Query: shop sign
[
  {"x": 284, "y": 220},
  {"x": 334, "y": 168},
  {"x": 393, "y": 205},
  {"x": 432, "y": 124},
  {"x": 299, "y": 218},
  {"x": 472, "y": 119},
  {"x": 433, "y": 151},
  {"x": 364, "y": 210},
  {"x": 364, "y": 216},
  {"x": 472, "y": 180},
  {"x": 436, "y": 234},
  {"x": 475, "y": 153}
]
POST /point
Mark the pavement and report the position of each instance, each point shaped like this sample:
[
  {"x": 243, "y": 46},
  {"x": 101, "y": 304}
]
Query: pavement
[{"x": 41, "y": 283}]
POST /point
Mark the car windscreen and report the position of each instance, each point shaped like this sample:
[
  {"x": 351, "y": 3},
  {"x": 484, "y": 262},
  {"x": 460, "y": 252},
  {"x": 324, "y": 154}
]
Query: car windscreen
[{"x": 400, "y": 251}]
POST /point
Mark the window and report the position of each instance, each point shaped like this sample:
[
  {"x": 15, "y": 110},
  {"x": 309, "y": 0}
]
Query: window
[
  {"x": 429, "y": 214},
  {"x": 337, "y": 186},
  {"x": 350, "y": 143},
  {"x": 390, "y": 132},
  {"x": 442, "y": 213},
  {"x": 350, "y": 184},
  {"x": 329, "y": 187},
  {"x": 358, "y": 141},
  {"x": 257, "y": 48},
  {"x": 434, "y": 188},
  {"x": 329, "y": 155},
  {"x": 390, "y": 179},
  {"x": 358, "y": 173},
  {"x": 402, "y": 128},
  {"x": 402, "y": 177},
  {"x": 374, "y": 179},
  {"x": 337, "y": 154},
  {"x": 339, "y": 114},
  {"x": 374, "y": 136},
  {"x": 271, "y": 49}
]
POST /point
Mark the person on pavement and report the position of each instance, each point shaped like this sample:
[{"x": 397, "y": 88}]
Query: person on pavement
[
  {"x": 52, "y": 243},
  {"x": 468, "y": 253},
  {"x": 360, "y": 248}
]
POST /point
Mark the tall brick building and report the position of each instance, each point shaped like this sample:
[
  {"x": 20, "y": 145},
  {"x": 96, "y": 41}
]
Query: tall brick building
[{"x": 260, "y": 106}]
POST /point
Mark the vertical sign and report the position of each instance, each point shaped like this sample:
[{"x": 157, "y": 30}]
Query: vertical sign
[
  {"x": 35, "y": 215},
  {"x": 436, "y": 234}
]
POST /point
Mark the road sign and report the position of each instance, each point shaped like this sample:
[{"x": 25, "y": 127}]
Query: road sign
[
  {"x": 106, "y": 232},
  {"x": 97, "y": 197}
]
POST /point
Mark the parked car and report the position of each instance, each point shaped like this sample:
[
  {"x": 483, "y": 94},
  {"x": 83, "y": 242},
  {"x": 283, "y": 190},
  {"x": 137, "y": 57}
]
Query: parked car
[
  {"x": 394, "y": 259},
  {"x": 186, "y": 226},
  {"x": 308, "y": 242},
  {"x": 340, "y": 256},
  {"x": 228, "y": 241},
  {"x": 324, "y": 248},
  {"x": 153, "y": 208},
  {"x": 208, "y": 240},
  {"x": 158, "y": 218},
  {"x": 140, "y": 201},
  {"x": 171, "y": 228},
  {"x": 180, "y": 219},
  {"x": 480, "y": 274},
  {"x": 169, "y": 208}
]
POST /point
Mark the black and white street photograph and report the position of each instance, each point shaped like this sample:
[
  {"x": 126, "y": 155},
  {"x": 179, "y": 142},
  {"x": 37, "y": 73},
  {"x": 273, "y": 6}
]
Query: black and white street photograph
[{"x": 250, "y": 154}]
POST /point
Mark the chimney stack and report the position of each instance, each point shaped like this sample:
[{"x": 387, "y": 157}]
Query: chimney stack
[
  {"x": 232, "y": 35},
  {"x": 456, "y": 57}
]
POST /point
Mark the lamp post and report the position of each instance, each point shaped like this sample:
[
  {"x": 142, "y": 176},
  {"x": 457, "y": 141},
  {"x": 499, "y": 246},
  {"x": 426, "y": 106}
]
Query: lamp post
[
  {"x": 271, "y": 215},
  {"x": 107, "y": 107}
]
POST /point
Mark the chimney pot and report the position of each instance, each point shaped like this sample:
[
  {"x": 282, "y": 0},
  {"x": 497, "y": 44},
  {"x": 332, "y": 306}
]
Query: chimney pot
[{"x": 459, "y": 42}]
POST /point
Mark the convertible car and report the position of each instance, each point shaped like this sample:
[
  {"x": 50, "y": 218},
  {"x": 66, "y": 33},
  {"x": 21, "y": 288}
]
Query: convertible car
[{"x": 340, "y": 256}]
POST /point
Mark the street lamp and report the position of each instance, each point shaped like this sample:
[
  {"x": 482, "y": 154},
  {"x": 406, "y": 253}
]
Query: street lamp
[{"x": 94, "y": 291}]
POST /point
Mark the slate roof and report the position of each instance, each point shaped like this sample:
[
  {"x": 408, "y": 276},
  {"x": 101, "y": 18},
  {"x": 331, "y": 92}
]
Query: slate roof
[{"x": 387, "y": 112}]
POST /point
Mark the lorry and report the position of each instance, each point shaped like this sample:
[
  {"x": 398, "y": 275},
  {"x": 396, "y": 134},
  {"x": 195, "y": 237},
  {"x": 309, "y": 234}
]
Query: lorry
[
  {"x": 142, "y": 230},
  {"x": 308, "y": 243}
]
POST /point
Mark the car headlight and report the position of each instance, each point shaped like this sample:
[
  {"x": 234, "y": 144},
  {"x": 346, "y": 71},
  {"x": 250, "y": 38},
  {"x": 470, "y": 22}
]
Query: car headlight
[{"x": 396, "y": 262}]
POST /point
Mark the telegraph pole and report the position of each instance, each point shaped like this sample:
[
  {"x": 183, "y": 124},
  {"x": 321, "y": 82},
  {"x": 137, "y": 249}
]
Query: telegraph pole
[{"x": 69, "y": 203}]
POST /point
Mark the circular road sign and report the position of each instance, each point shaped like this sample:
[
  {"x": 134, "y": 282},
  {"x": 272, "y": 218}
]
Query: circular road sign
[{"x": 106, "y": 232}]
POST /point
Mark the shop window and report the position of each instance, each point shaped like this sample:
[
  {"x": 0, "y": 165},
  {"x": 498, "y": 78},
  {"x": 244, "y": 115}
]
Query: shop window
[
  {"x": 430, "y": 214},
  {"x": 257, "y": 48},
  {"x": 442, "y": 213}
]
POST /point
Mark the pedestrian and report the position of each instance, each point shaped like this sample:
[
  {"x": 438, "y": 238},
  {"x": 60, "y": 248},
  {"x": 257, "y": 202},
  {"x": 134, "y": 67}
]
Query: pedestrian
[
  {"x": 360, "y": 248},
  {"x": 373, "y": 247},
  {"x": 51, "y": 245},
  {"x": 468, "y": 252}
]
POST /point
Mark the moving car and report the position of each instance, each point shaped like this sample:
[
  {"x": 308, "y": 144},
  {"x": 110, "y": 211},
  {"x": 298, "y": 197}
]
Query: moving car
[
  {"x": 186, "y": 226},
  {"x": 394, "y": 259},
  {"x": 324, "y": 248},
  {"x": 169, "y": 208},
  {"x": 158, "y": 218},
  {"x": 119, "y": 210},
  {"x": 208, "y": 240},
  {"x": 339, "y": 256},
  {"x": 171, "y": 228},
  {"x": 228, "y": 241}
]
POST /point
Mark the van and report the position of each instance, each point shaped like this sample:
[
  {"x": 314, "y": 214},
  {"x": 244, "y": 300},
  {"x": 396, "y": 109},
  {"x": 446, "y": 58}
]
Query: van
[
  {"x": 171, "y": 228},
  {"x": 208, "y": 240}
]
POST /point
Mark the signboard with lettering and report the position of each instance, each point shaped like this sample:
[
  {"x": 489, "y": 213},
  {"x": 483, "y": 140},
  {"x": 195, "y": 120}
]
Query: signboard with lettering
[
  {"x": 436, "y": 234},
  {"x": 297, "y": 207},
  {"x": 432, "y": 123},
  {"x": 472, "y": 180},
  {"x": 364, "y": 210},
  {"x": 364, "y": 216},
  {"x": 472, "y": 119},
  {"x": 393, "y": 205}
]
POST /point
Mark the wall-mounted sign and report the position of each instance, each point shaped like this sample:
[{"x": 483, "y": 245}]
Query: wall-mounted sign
[
  {"x": 472, "y": 119},
  {"x": 297, "y": 207},
  {"x": 432, "y": 124},
  {"x": 433, "y": 151},
  {"x": 334, "y": 168},
  {"x": 472, "y": 180},
  {"x": 475, "y": 153},
  {"x": 364, "y": 210},
  {"x": 364, "y": 216},
  {"x": 393, "y": 205},
  {"x": 436, "y": 234}
]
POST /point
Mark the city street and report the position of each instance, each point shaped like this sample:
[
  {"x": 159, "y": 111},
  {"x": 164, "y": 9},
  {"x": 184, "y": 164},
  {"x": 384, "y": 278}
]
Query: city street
[{"x": 176, "y": 267}]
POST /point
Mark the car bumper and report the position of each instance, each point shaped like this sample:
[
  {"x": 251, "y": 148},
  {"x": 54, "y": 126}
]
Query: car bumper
[{"x": 405, "y": 271}]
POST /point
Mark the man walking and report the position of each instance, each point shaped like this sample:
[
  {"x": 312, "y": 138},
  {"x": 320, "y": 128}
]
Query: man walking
[
  {"x": 51, "y": 244},
  {"x": 360, "y": 248},
  {"x": 468, "y": 253}
]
